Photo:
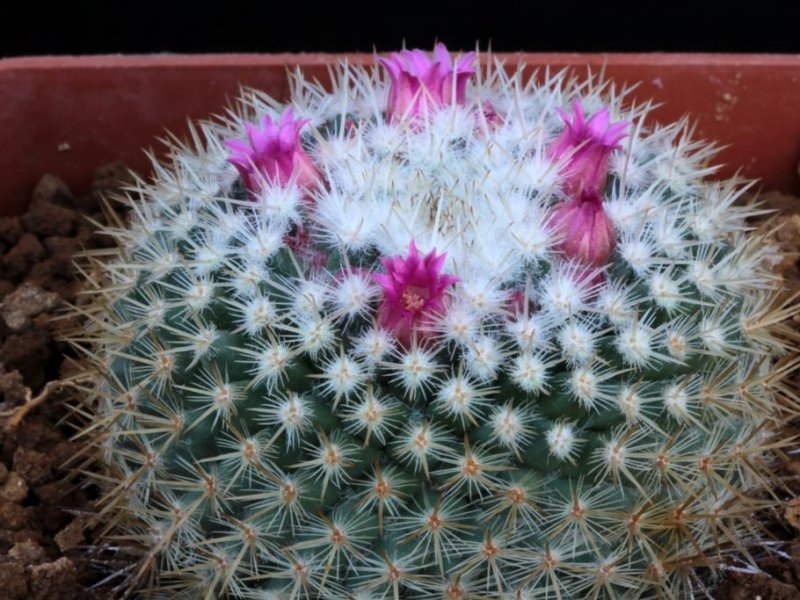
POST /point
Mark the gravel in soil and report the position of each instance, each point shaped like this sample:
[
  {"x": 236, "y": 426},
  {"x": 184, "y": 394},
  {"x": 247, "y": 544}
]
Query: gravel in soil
[
  {"x": 48, "y": 546},
  {"x": 46, "y": 526}
]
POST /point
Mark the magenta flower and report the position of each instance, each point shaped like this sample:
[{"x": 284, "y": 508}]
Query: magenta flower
[
  {"x": 413, "y": 290},
  {"x": 420, "y": 84},
  {"x": 273, "y": 153},
  {"x": 586, "y": 145},
  {"x": 586, "y": 232}
]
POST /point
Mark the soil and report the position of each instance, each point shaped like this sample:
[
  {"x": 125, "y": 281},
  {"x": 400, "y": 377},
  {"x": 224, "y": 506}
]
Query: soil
[
  {"x": 50, "y": 548},
  {"x": 778, "y": 574}
]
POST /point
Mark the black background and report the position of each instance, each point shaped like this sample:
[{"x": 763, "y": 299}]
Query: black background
[{"x": 36, "y": 28}]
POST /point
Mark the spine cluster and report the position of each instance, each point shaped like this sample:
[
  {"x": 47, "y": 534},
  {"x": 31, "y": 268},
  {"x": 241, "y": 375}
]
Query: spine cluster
[{"x": 436, "y": 334}]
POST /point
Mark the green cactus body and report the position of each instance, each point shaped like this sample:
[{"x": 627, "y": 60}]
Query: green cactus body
[{"x": 552, "y": 430}]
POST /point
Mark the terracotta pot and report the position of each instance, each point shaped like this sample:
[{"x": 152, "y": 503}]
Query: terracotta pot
[{"x": 66, "y": 115}]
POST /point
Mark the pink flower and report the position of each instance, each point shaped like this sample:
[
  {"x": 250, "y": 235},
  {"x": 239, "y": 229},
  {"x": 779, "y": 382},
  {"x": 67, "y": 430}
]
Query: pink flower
[
  {"x": 413, "y": 290},
  {"x": 586, "y": 145},
  {"x": 420, "y": 84},
  {"x": 586, "y": 232},
  {"x": 273, "y": 153}
]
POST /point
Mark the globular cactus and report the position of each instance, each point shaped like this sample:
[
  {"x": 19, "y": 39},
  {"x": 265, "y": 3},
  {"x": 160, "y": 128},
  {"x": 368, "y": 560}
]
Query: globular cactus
[{"x": 436, "y": 333}]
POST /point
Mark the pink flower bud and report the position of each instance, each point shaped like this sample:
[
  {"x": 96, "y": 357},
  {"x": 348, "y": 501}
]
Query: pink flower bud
[
  {"x": 493, "y": 118},
  {"x": 302, "y": 244},
  {"x": 420, "y": 85},
  {"x": 586, "y": 146},
  {"x": 413, "y": 291},
  {"x": 585, "y": 230},
  {"x": 273, "y": 153},
  {"x": 517, "y": 303}
]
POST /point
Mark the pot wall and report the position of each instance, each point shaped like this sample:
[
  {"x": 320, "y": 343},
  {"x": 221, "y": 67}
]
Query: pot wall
[{"x": 67, "y": 115}]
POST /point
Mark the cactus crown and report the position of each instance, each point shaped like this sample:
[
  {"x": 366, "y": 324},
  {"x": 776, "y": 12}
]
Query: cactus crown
[{"x": 501, "y": 340}]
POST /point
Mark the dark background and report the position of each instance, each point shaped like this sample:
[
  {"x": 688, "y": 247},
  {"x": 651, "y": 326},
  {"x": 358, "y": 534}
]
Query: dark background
[{"x": 35, "y": 28}]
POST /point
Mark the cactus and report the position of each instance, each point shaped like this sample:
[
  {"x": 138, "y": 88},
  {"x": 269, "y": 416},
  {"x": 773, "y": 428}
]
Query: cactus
[{"x": 436, "y": 333}]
